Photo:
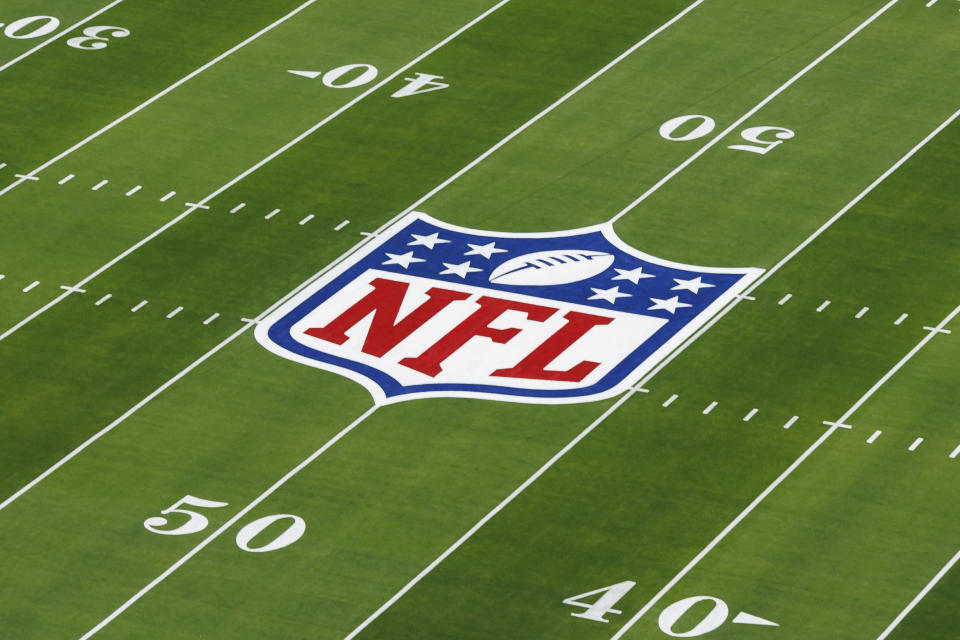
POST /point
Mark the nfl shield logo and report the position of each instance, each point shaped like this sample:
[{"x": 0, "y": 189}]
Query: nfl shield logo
[{"x": 431, "y": 309}]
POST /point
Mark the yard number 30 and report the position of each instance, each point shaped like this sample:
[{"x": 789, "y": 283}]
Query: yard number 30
[{"x": 197, "y": 522}]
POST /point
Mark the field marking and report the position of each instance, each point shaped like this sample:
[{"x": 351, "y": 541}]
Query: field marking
[
  {"x": 134, "y": 190},
  {"x": 202, "y": 204},
  {"x": 102, "y": 300},
  {"x": 749, "y": 114},
  {"x": 862, "y": 313},
  {"x": 489, "y": 516},
  {"x": 156, "y": 97},
  {"x": 824, "y": 305},
  {"x": 792, "y": 421},
  {"x": 168, "y": 196},
  {"x": 30, "y": 286},
  {"x": 785, "y": 299},
  {"x": 238, "y": 207},
  {"x": 920, "y": 596},
  {"x": 900, "y": 320},
  {"x": 59, "y": 35},
  {"x": 955, "y": 452},
  {"x": 710, "y": 407},
  {"x": 341, "y": 225},
  {"x": 873, "y": 438},
  {"x": 670, "y": 400},
  {"x": 916, "y": 443},
  {"x": 138, "y": 306},
  {"x": 750, "y": 415},
  {"x": 173, "y": 313},
  {"x": 863, "y": 194},
  {"x": 229, "y": 523},
  {"x": 271, "y": 214},
  {"x": 66, "y": 179},
  {"x": 211, "y": 319},
  {"x": 931, "y": 3},
  {"x": 306, "y": 220},
  {"x": 99, "y": 185},
  {"x": 782, "y": 477}
]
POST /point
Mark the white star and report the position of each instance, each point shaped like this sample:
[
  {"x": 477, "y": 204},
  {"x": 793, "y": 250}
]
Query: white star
[
  {"x": 461, "y": 269},
  {"x": 404, "y": 260},
  {"x": 693, "y": 285},
  {"x": 610, "y": 295},
  {"x": 633, "y": 275},
  {"x": 670, "y": 305},
  {"x": 429, "y": 241},
  {"x": 485, "y": 250}
]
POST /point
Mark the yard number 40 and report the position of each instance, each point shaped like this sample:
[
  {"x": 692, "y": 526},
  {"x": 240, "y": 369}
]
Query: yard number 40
[
  {"x": 606, "y": 598},
  {"x": 756, "y": 136},
  {"x": 197, "y": 522}
]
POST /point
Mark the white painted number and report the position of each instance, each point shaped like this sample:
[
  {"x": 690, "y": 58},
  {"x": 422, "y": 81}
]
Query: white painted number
[
  {"x": 603, "y": 605},
  {"x": 94, "y": 38},
  {"x": 669, "y": 128},
  {"x": 762, "y": 146},
  {"x": 368, "y": 74},
  {"x": 421, "y": 83},
  {"x": 196, "y": 522},
  {"x": 290, "y": 535},
  {"x": 711, "y": 622},
  {"x": 16, "y": 28},
  {"x": 753, "y": 135}
]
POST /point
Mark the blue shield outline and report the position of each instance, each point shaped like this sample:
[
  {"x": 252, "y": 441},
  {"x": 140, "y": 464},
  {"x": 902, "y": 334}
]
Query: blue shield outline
[{"x": 275, "y": 331}]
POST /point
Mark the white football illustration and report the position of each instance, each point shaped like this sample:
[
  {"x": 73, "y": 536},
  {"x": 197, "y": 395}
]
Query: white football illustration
[{"x": 546, "y": 268}]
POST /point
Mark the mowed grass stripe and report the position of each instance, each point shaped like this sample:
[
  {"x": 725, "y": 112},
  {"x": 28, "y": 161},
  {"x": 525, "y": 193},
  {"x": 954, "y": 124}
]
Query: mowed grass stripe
[
  {"x": 652, "y": 487},
  {"x": 100, "y": 85},
  {"x": 125, "y": 224},
  {"x": 310, "y": 373},
  {"x": 887, "y": 512},
  {"x": 199, "y": 276}
]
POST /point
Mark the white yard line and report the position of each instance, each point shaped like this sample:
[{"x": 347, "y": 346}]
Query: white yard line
[
  {"x": 483, "y": 521},
  {"x": 749, "y": 114},
  {"x": 150, "y": 101},
  {"x": 202, "y": 204},
  {"x": 920, "y": 596},
  {"x": 863, "y": 194},
  {"x": 229, "y": 523},
  {"x": 783, "y": 476},
  {"x": 346, "y": 254},
  {"x": 57, "y": 36}
]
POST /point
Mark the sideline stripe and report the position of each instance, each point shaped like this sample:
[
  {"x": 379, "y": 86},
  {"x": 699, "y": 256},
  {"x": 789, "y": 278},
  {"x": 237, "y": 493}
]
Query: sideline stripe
[
  {"x": 749, "y": 114},
  {"x": 57, "y": 36},
  {"x": 783, "y": 476},
  {"x": 232, "y": 521},
  {"x": 920, "y": 596},
  {"x": 202, "y": 203},
  {"x": 153, "y": 99}
]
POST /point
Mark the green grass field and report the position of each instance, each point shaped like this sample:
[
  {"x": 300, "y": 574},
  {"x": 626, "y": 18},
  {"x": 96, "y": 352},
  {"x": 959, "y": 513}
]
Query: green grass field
[{"x": 789, "y": 465}]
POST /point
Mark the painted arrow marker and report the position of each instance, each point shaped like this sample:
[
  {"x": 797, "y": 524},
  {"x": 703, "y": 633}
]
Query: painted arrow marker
[
  {"x": 746, "y": 618},
  {"x": 313, "y": 75}
]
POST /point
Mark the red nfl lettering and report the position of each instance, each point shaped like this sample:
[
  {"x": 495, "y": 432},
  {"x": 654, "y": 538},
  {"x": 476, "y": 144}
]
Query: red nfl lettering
[
  {"x": 384, "y": 303},
  {"x": 534, "y": 366}
]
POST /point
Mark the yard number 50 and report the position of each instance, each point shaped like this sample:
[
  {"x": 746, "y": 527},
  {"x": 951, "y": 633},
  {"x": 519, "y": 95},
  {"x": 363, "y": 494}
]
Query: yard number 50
[
  {"x": 197, "y": 522},
  {"x": 756, "y": 136}
]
